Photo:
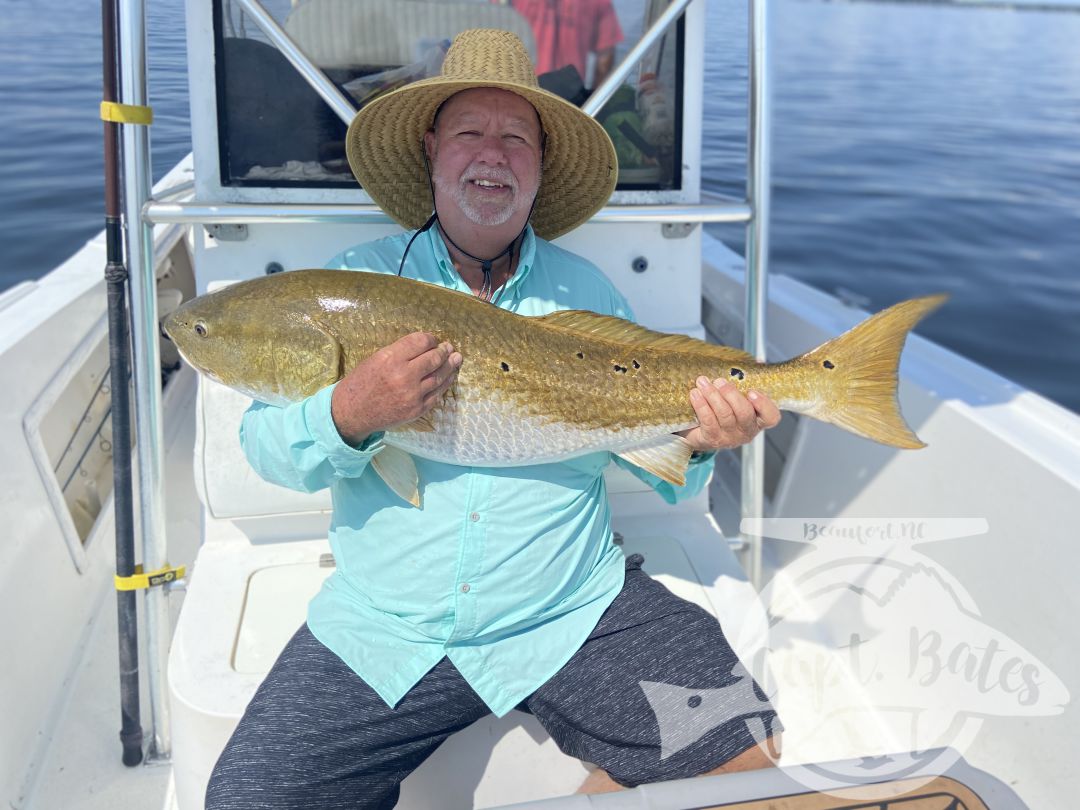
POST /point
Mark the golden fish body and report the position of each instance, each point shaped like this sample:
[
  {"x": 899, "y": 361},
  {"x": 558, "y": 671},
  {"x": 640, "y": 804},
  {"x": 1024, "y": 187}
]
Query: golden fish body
[{"x": 530, "y": 390}]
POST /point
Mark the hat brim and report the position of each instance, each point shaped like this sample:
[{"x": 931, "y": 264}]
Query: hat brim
[{"x": 384, "y": 145}]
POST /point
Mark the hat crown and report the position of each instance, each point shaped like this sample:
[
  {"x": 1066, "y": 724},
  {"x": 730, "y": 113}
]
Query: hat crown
[{"x": 488, "y": 54}]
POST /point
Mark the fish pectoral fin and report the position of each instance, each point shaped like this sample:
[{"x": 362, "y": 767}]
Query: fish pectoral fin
[
  {"x": 666, "y": 457},
  {"x": 307, "y": 379},
  {"x": 397, "y": 470},
  {"x": 423, "y": 424}
]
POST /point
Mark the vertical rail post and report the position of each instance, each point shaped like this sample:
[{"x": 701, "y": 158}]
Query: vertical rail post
[
  {"x": 146, "y": 369},
  {"x": 758, "y": 181}
]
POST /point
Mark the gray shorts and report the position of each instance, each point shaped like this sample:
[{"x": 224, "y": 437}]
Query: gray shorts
[{"x": 654, "y": 693}]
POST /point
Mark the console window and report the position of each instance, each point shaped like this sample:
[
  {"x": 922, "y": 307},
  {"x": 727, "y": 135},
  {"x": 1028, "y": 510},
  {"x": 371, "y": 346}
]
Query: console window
[{"x": 275, "y": 130}]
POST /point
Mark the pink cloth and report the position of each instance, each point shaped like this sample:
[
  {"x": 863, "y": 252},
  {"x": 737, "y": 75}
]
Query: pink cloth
[{"x": 566, "y": 31}]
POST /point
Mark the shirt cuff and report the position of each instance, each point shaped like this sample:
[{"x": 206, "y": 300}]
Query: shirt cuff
[
  {"x": 700, "y": 458},
  {"x": 347, "y": 460}
]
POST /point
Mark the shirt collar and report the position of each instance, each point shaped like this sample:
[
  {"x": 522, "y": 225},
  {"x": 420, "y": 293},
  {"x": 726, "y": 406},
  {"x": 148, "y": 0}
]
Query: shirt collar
[{"x": 450, "y": 276}]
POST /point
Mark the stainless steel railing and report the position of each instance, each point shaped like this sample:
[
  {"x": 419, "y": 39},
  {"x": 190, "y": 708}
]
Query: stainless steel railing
[
  {"x": 196, "y": 213},
  {"x": 146, "y": 368},
  {"x": 759, "y": 197}
]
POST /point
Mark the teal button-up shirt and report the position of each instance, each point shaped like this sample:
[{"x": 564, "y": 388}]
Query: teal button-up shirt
[{"x": 504, "y": 570}]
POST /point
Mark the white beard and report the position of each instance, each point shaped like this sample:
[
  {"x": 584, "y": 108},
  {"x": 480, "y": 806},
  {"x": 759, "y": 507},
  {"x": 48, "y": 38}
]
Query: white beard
[{"x": 458, "y": 192}]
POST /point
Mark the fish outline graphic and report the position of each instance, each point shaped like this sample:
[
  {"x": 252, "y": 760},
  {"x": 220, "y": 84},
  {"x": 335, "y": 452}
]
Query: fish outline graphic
[{"x": 684, "y": 714}]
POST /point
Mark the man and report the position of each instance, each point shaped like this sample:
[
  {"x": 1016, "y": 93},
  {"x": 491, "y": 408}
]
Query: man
[{"x": 505, "y": 590}]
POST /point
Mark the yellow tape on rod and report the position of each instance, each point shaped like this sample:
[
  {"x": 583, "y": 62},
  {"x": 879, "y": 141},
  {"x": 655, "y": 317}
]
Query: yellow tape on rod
[
  {"x": 140, "y": 581},
  {"x": 126, "y": 113}
]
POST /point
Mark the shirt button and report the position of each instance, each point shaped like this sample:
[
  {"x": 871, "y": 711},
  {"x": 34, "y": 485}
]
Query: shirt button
[
  {"x": 465, "y": 588},
  {"x": 475, "y": 516}
]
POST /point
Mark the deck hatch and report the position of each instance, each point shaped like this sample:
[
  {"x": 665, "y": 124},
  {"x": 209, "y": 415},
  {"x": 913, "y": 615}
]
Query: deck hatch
[{"x": 69, "y": 432}]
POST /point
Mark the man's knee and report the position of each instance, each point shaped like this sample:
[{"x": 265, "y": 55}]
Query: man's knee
[{"x": 765, "y": 754}]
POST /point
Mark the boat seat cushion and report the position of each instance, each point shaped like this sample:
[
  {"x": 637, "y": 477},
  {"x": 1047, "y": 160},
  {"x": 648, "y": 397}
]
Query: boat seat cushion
[{"x": 226, "y": 483}]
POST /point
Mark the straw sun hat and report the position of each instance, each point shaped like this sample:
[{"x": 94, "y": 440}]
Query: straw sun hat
[{"x": 385, "y": 150}]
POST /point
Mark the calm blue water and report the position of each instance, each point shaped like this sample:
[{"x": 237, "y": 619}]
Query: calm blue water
[
  {"x": 917, "y": 148},
  {"x": 51, "y": 186},
  {"x": 923, "y": 148}
]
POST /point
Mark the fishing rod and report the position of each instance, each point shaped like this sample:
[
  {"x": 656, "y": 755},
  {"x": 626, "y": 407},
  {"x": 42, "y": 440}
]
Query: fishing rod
[{"x": 116, "y": 276}]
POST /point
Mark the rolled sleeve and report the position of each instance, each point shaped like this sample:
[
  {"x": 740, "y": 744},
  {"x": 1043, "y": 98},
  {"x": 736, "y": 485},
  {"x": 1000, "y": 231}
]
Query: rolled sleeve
[
  {"x": 347, "y": 461},
  {"x": 299, "y": 447}
]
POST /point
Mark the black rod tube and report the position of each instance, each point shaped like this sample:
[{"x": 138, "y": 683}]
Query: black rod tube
[{"x": 131, "y": 734}]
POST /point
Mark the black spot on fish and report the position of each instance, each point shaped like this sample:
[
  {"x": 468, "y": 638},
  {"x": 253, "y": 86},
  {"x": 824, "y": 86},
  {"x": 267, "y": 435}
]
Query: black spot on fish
[
  {"x": 504, "y": 366},
  {"x": 828, "y": 364},
  {"x": 620, "y": 369},
  {"x": 737, "y": 372},
  {"x": 580, "y": 356},
  {"x": 635, "y": 363}
]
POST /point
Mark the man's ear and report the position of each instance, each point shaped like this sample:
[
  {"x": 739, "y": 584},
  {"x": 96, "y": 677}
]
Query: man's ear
[{"x": 429, "y": 146}]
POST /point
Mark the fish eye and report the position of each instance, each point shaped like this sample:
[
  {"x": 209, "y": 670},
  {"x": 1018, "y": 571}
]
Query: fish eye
[{"x": 200, "y": 329}]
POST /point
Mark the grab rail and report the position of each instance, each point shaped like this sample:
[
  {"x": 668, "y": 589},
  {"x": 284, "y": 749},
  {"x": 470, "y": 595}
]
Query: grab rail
[{"x": 198, "y": 213}]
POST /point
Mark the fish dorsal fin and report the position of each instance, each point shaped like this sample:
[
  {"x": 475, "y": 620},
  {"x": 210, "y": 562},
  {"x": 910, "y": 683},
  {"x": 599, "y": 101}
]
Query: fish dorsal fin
[
  {"x": 396, "y": 468},
  {"x": 607, "y": 327},
  {"x": 666, "y": 457}
]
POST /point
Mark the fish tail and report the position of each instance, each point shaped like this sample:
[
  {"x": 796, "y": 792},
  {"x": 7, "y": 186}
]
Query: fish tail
[{"x": 861, "y": 366}]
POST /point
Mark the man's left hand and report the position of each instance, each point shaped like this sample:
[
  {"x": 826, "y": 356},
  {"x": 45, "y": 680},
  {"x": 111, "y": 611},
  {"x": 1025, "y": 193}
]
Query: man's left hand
[{"x": 727, "y": 418}]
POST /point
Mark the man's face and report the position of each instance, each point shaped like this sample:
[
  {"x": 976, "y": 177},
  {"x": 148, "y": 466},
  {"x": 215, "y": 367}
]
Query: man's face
[{"x": 485, "y": 157}]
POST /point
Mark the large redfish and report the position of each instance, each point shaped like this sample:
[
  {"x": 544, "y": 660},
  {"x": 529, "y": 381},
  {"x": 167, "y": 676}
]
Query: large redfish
[{"x": 530, "y": 390}]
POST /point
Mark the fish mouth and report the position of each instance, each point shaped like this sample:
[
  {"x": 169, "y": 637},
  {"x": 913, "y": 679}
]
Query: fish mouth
[
  {"x": 173, "y": 329},
  {"x": 168, "y": 326}
]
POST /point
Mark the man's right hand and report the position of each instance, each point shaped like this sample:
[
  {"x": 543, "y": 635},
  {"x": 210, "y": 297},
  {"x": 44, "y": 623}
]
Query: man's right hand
[{"x": 399, "y": 383}]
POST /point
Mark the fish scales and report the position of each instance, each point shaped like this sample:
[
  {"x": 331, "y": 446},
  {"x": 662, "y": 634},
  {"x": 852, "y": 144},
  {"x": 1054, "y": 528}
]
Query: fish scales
[
  {"x": 543, "y": 376},
  {"x": 529, "y": 390}
]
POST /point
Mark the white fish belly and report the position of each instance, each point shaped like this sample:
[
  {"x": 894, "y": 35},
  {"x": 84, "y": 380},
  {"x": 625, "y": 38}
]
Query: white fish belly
[{"x": 488, "y": 432}]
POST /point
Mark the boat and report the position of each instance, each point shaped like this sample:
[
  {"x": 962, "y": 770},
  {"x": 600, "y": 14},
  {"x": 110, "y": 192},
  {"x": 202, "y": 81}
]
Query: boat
[{"x": 910, "y": 612}]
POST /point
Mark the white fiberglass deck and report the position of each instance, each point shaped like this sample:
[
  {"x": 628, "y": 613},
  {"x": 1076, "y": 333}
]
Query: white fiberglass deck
[{"x": 80, "y": 763}]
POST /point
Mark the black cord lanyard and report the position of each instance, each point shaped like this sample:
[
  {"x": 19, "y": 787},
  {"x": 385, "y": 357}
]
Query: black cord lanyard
[
  {"x": 486, "y": 290},
  {"x": 485, "y": 264},
  {"x": 424, "y": 227}
]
